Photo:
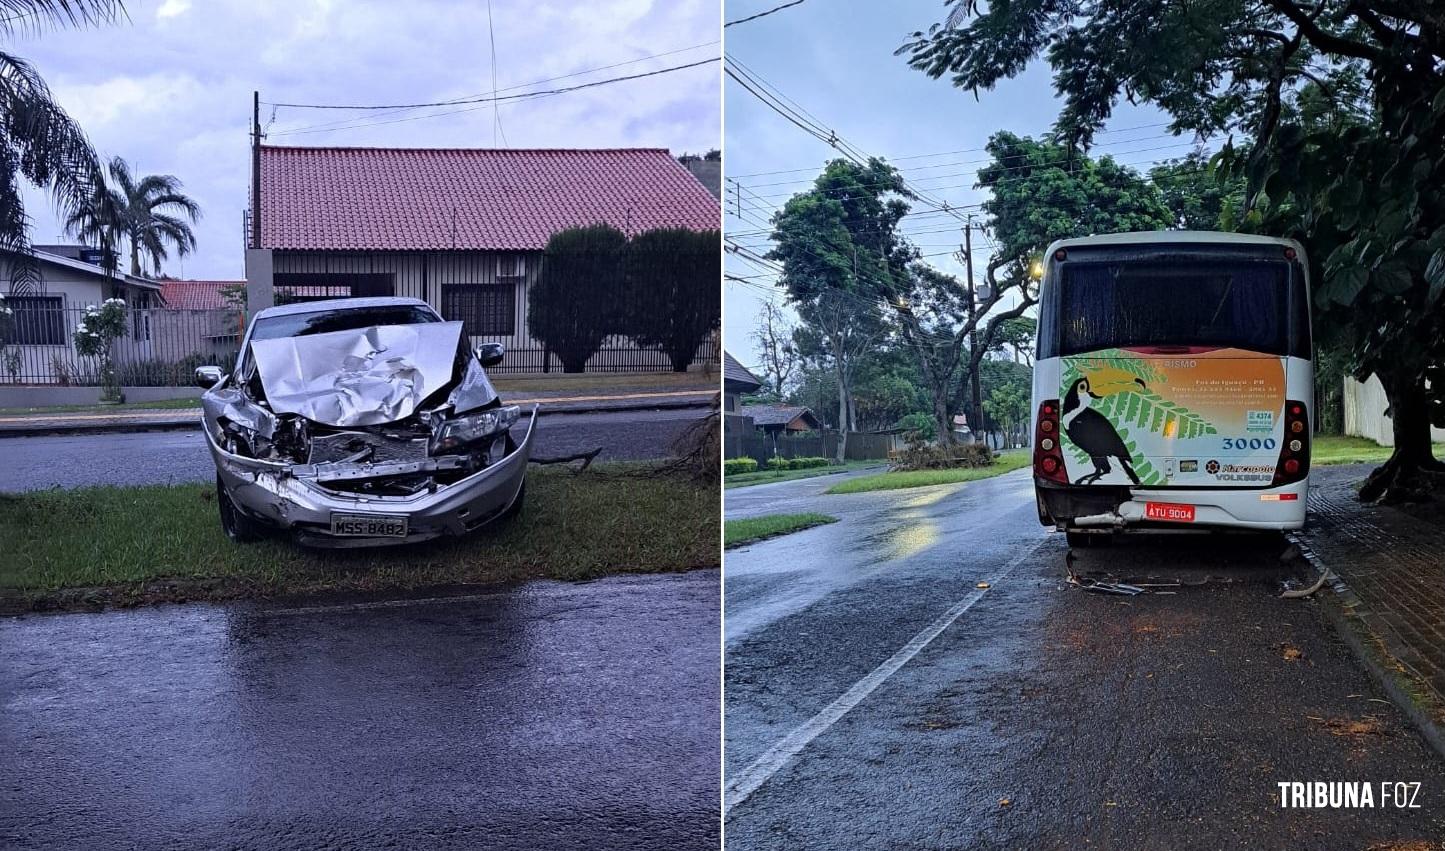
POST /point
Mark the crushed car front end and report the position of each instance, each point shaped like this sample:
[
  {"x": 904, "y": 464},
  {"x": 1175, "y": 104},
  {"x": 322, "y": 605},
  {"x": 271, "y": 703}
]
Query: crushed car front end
[
  {"x": 363, "y": 438},
  {"x": 370, "y": 503}
]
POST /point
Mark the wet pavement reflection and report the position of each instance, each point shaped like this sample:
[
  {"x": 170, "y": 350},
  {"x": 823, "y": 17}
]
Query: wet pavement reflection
[{"x": 550, "y": 715}]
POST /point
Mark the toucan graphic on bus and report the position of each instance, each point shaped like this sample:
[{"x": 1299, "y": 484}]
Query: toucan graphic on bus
[{"x": 1092, "y": 432}]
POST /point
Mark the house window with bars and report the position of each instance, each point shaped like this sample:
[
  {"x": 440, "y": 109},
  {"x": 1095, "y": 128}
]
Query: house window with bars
[
  {"x": 486, "y": 310},
  {"x": 36, "y": 320}
]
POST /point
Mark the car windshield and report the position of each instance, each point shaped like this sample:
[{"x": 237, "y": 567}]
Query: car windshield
[
  {"x": 344, "y": 319},
  {"x": 1237, "y": 304}
]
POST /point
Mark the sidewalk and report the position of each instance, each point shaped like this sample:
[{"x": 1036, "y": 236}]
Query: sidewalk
[
  {"x": 573, "y": 399},
  {"x": 1393, "y": 567}
]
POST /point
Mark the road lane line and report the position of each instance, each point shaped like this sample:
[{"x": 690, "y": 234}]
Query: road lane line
[{"x": 739, "y": 788}]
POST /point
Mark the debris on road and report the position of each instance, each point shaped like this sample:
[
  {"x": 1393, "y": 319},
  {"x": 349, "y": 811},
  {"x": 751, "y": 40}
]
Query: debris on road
[
  {"x": 585, "y": 457},
  {"x": 1290, "y": 653},
  {"x": 982, "y": 585},
  {"x": 1351, "y": 728}
]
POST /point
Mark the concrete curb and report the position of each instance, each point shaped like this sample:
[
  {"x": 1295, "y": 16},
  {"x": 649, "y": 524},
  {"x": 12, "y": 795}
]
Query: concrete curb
[
  {"x": 1352, "y": 626},
  {"x": 194, "y": 422}
]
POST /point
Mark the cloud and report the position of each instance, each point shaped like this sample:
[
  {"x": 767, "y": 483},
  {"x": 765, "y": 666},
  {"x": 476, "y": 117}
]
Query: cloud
[
  {"x": 171, "y": 92},
  {"x": 172, "y": 8}
]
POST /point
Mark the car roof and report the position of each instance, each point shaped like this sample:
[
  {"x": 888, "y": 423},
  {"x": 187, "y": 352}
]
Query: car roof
[{"x": 340, "y": 304}]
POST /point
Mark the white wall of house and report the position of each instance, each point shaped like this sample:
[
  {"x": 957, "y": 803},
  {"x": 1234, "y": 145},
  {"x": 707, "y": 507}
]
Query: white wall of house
[
  {"x": 69, "y": 287},
  {"x": 1365, "y": 405}
]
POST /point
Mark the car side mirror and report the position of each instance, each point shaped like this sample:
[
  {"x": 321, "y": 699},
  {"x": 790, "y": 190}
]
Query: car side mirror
[
  {"x": 491, "y": 354},
  {"x": 209, "y": 376}
]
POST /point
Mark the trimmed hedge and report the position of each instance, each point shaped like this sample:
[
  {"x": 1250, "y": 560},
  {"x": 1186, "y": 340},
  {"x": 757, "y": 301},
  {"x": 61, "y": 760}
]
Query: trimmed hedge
[
  {"x": 780, "y": 463},
  {"x": 734, "y": 466}
]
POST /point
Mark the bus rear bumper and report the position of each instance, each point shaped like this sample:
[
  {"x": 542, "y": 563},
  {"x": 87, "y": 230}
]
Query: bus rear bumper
[{"x": 1120, "y": 508}]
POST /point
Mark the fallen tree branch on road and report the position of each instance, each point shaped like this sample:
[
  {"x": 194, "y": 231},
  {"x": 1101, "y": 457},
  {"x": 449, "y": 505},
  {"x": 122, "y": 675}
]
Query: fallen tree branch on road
[{"x": 585, "y": 457}]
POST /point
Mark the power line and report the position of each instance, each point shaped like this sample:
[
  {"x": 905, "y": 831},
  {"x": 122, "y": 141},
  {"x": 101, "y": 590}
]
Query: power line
[
  {"x": 761, "y": 14},
  {"x": 947, "y": 153},
  {"x": 804, "y": 120},
  {"x": 481, "y": 103},
  {"x": 460, "y": 101},
  {"x": 583, "y": 72},
  {"x": 496, "y": 108}
]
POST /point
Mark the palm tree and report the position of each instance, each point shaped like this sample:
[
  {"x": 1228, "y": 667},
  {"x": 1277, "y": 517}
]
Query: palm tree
[
  {"x": 38, "y": 141},
  {"x": 148, "y": 214}
]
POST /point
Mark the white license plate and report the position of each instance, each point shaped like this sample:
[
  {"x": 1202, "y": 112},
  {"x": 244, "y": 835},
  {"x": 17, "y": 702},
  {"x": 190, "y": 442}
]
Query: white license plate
[{"x": 368, "y": 525}]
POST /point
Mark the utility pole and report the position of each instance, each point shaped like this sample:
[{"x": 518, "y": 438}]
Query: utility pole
[
  {"x": 975, "y": 420},
  {"x": 255, "y": 169}
]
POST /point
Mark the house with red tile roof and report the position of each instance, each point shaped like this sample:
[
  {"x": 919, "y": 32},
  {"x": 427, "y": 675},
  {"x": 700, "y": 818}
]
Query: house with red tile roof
[
  {"x": 462, "y": 229},
  {"x": 196, "y": 295}
]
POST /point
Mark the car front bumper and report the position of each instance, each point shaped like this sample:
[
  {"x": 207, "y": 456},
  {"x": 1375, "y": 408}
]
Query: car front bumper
[{"x": 292, "y": 498}]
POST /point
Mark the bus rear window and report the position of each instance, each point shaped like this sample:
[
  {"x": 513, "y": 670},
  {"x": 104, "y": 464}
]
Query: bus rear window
[{"x": 1225, "y": 304}]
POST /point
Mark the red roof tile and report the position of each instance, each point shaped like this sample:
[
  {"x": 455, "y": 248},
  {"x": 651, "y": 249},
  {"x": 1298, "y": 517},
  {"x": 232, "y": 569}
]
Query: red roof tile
[
  {"x": 403, "y": 199},
  {"x": 195, "y": 295}
]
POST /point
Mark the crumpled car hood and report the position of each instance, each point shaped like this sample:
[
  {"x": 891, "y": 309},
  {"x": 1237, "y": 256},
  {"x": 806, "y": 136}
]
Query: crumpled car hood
[{"x": 367, "y": 376}]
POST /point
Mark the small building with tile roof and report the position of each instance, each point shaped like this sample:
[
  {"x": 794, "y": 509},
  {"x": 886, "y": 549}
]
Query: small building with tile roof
[{"x": 782, "y": 418}]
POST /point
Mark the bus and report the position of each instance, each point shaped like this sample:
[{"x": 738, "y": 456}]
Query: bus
[{"x": 1173, "y": 384}]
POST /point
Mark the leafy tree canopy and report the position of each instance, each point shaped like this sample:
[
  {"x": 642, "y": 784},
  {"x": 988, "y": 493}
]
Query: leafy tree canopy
[{"x": 1342, "y": 104}]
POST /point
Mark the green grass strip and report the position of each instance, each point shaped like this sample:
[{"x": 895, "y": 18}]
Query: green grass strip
[
  {"x": 763, "y": 477},
  {"x": 612, "y": 518},
  {"x": 1005, "y": 463},
  {"x": 751, "y": 529},
  {"x": 1340, "y": 449}
]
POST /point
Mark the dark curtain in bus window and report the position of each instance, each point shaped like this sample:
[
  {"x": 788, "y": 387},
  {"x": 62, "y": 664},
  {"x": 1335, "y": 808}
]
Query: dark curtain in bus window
[
  {"x": 1221, "y": 304},
  {"x": 486, "y": 310}
]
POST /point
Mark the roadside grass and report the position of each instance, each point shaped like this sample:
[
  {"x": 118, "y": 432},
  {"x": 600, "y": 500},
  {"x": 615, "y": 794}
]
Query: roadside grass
[
  {"x": 762, "y": 477},
  {"x": 139, "y": 544},
  {"x": 158, "y": 405},
  {"x": 1340, "y": 449},
  {"x": 752, "y": 529},
  {"x": 1006, "y": 462}
]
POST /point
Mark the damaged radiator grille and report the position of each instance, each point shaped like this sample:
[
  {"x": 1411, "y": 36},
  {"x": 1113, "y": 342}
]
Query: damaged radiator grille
[{"x": 348, "y": 445}]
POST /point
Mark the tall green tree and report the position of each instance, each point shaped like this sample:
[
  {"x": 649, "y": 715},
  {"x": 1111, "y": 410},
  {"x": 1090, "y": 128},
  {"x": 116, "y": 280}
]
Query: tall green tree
[
  {"x": 1196, "y": 193},
  {"x": 673, "y": 301},
  {"x": 149, "y": 215},
  {"x": 573, "y": 305},
  {"x": 39, "y": 143},
  {"x": 834, "y": 242},
  {"x": 1369, "y": 202}
]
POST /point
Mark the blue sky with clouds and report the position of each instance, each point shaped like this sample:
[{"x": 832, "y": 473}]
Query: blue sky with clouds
[
  {"x": 834, "y": 58},
  {"x": 170, "y": 90}
]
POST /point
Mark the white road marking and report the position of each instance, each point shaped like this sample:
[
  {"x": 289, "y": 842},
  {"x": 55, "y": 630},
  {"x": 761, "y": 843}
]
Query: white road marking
[{"x": 737, "y": 789}]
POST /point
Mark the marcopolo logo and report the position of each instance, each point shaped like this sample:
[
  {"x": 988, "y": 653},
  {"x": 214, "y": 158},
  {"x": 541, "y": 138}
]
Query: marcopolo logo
[{"x": 1212, "y": 467}]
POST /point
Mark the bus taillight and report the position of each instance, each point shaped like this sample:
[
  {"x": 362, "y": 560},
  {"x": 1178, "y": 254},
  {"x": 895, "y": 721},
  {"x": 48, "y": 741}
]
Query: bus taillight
[
  {"x": 1294, "y": 454},
  {"x": 1048, "y": 455}
]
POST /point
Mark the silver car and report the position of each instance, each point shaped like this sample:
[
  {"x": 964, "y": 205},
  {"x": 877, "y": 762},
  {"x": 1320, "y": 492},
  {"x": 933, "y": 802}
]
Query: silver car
[{"x": 359, "y": 422}]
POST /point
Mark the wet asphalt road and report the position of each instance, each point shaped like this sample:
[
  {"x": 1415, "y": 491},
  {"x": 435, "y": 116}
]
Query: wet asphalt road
[
  {"x": 162, "y": 457},
  {"x": 1041, "y": 716},
  {"x": 551, "y": 716}
]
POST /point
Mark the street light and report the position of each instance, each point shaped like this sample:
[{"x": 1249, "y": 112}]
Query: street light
[{"x": 1036, "y": 269}]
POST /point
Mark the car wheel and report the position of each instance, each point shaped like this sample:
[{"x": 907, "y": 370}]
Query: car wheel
[{"x": 237, "y": 526}]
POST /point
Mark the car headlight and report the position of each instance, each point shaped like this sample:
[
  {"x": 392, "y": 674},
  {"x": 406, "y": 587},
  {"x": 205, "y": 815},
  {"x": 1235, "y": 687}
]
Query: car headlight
[{"x": 459, "y": 431}]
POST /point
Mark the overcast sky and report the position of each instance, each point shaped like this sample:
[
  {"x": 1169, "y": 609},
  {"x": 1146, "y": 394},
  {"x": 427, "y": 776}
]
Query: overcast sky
[
  {"x": 170, "y": 90},
  {"x": 834, "y": 58}
]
